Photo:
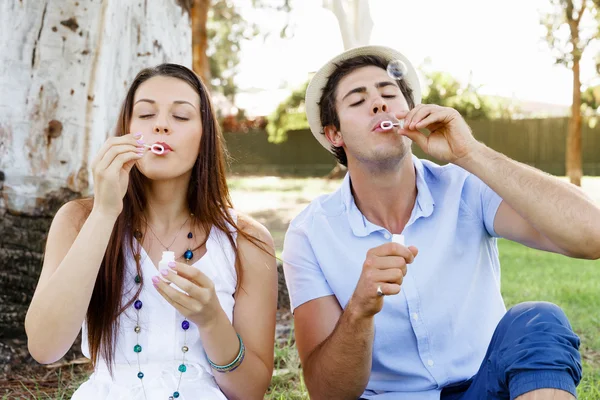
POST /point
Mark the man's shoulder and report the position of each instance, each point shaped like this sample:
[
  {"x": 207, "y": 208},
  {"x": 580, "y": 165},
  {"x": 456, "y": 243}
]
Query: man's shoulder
[
  {"x": 434, "y": 171},
  {"x": 447, "y": 181},
  {"x": 329, "y": 204}
]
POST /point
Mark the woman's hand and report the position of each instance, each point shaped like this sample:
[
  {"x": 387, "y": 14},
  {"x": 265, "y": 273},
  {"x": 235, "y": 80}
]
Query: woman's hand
[
  {"x": 110, "y": 169},
  {"x": 199, "y": 303}
]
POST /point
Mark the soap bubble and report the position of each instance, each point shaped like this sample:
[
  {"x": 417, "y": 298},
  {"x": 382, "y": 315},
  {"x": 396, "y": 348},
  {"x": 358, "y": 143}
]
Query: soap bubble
[{"x": 396, "y": 69}]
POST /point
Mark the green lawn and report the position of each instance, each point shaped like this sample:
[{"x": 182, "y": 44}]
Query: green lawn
[
  {"x": 526, "y": 275},
  {"x": 572, "y": 284}
]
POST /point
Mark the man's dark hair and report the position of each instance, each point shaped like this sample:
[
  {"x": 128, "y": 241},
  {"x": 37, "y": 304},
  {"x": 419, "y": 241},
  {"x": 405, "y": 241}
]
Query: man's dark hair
[{"x": 328, "y": 112}]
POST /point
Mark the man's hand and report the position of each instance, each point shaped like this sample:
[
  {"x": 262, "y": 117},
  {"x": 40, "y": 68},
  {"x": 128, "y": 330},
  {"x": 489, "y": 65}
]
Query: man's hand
[
  {"x": 450, "y": 137},
  {"x": 384, "y": 268}
]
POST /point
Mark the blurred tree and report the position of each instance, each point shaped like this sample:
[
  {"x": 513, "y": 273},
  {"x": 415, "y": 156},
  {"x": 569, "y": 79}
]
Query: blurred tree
[
  {"x": 65, "y": 67},
  {"x": 443, "y": 89},
  {"x": 226, "y": 30},
  {"x": 288, "y": 116},
  {"x": 590, "y": 105},
  {"x": 590, "y": 99},
  {"x": 218, "y": 30},
  {"x": 570, "y": 27},
  {"x": 199, "y": 17}
]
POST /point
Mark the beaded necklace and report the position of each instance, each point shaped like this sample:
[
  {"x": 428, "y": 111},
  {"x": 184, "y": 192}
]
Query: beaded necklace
[{"x": 185, "y": 325}]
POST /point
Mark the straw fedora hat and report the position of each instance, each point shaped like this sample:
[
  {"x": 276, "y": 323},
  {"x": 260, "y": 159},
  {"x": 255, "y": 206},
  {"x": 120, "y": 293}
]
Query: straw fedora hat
[{"x": 319, "y": 80}]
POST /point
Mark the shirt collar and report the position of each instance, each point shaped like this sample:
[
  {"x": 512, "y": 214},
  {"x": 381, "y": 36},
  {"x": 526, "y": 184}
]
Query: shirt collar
[{"x": 423, "y": 206}]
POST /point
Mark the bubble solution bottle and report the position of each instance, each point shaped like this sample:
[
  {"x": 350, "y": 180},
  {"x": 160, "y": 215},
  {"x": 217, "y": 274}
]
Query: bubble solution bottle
[
  {"x": 396, "y": 239},
  {"x": 167, "y": 257}
]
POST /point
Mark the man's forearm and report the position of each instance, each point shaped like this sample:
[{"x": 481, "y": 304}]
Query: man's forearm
[
  {"x": 558, "y": 210},
  {"x": 339, "y": 368}
]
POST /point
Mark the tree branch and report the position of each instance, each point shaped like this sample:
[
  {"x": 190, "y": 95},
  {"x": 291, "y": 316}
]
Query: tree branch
[
  {"x": 580, "y": 12},
  {"x": 337, "y": 7}
]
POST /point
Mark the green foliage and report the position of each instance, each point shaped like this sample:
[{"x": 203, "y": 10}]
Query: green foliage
[
  {"x": 590, "y": 105},
  {"x": 570, "y": 28},
  {"x": 226, "y": 28},
  {"x": 444, "y": 90},
  {"x": 288, "y": 116}
]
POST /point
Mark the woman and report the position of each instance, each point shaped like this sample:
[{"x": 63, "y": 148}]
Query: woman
[{"x": 199, "y": 327}]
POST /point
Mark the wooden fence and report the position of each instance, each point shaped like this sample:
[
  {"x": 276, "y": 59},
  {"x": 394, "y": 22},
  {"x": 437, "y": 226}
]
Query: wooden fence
[{"x": 537, "y": 142}]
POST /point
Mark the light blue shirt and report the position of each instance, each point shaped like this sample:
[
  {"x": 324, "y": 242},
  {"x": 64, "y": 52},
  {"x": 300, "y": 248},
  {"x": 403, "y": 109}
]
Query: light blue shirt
[{"x": 437, "y": 330}]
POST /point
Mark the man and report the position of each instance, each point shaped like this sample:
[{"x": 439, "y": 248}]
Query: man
[{"x": 381, "y": 320}]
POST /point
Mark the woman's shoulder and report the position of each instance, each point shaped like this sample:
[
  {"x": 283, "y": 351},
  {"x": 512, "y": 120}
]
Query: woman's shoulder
[
  {"x": 257, "y": 251},
  {"x": 75, "y": 212},
  {"x": 252, "y": 227}
]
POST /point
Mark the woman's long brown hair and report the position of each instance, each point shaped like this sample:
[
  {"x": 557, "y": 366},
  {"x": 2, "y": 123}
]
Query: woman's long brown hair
[{"x": 207, "y": 197}]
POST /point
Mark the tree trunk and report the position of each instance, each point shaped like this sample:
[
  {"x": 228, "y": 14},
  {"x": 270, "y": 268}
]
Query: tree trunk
[
  {"x": 65, "y": 67},
  {"x": 354, "y": 19},
  {"x": 573, "y": 152},
  {"x": 337, "y": 7},
  {"x": 200, "y": 38},
  {"x": 363, "y": 23},
  {"x": 356, "y": 25}
]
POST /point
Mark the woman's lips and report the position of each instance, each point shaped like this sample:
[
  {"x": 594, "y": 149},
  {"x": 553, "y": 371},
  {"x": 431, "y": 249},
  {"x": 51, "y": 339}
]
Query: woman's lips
[
  {"x": 161, "y": 148},
  {"x": 165, "y": 146}
]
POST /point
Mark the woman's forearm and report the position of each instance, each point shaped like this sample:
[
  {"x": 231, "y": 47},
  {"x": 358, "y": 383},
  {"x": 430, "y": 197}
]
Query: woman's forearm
[{"x": 221, "y": 344}]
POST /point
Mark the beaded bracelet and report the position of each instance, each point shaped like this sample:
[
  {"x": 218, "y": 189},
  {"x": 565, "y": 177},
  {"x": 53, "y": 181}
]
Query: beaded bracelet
[{"x": 235, "y": 363}]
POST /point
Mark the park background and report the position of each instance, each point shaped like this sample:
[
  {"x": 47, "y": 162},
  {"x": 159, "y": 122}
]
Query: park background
[{"x": 523, "y": 74}]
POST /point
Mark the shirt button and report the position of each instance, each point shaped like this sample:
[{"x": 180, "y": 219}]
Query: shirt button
[
  {"x": 430, "y": 363},
  {"x": 387, "y": 235},
  {"x": 415, "y": 316}
]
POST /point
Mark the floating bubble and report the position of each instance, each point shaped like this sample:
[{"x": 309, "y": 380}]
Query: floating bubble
[{"x": 397, "y": 69}]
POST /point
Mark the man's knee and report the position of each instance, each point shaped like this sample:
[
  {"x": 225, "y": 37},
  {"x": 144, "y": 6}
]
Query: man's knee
[
  {"x": 534, "y": 315},
  {"x": 539, "y": 337}
]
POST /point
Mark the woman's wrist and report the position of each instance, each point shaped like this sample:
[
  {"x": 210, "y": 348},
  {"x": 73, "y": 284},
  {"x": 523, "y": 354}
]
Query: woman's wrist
[
  {"x": 221, "y": 342},
  {"x": 215, "y": 322}
]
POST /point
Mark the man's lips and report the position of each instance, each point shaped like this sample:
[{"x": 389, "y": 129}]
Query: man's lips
[{"x": 377, "y": 125}]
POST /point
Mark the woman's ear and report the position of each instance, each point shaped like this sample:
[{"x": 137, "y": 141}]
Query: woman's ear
[{"x": 333, "y": 136}]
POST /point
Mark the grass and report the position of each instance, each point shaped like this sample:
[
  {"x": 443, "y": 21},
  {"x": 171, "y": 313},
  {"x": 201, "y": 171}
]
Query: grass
[
  {"x": 574, "y": 285},
  {"x": 55, "y": 384},
  {"x": 527, "y": 275}
]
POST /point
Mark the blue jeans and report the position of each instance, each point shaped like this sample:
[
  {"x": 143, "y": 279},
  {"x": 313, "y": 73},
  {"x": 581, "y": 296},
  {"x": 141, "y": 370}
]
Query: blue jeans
[{"x": 533, "y": 347}]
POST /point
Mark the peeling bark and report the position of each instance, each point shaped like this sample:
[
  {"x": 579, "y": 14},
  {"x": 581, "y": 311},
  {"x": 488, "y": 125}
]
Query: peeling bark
[
  {"x": 64, "y": 68},
  {"x": 45, "y": 119}
]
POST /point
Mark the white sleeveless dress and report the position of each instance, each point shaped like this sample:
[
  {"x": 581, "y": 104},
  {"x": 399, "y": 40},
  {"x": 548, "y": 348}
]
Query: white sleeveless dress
[{"x": 162, "y": 337}]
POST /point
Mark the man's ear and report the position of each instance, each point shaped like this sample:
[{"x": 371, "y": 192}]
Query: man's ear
[{"x": 333, "y": 136}]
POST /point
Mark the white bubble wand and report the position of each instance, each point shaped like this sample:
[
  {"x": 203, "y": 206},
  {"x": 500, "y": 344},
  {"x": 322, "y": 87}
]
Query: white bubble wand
[
  {"x": 156, "y": 148},
  {"x": 387, "y": 125}
]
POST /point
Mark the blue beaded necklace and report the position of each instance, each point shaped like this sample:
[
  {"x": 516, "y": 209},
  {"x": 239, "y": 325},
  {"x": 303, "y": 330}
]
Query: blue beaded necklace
[{"x": 185, "y": 325}]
